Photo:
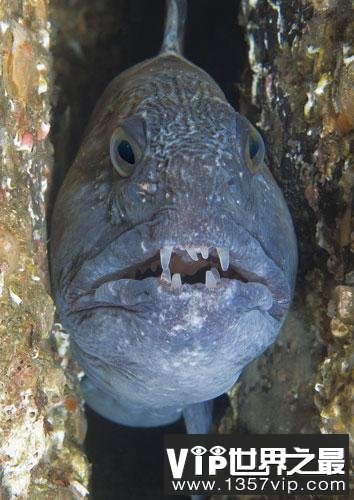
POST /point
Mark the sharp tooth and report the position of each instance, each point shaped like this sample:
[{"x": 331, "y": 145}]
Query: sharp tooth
[
  {"x": 192, "y": 253},
  {"x": 205, "y": 252},
  {"x": 166, "y": 276},
  {"x": 215, "y": 273},
  {"x": 212, "y": 278},
  {"x": 165, "y": 256},
  {"x": 224, "y": 257},
  {"x": 176, "y": 281}
]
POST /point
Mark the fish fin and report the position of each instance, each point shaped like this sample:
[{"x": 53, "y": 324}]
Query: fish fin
[
  {"x": 176, "y": 14},
  {"x": 198, "y": 417}
]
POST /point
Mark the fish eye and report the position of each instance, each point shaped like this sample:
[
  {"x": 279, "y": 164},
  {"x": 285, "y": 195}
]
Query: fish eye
[
  {"x": 124, "y": 151},
  {"x": 255, "y": 150}
]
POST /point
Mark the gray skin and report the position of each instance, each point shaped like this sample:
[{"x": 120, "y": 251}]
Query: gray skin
[{"x": 150, "y": 350}]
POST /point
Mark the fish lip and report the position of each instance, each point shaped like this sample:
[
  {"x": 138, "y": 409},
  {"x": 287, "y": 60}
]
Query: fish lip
[
  {"x": 225, "y": 288},
  {"x": 83, "y": 302},
  {"x": 275, "y": 280}
]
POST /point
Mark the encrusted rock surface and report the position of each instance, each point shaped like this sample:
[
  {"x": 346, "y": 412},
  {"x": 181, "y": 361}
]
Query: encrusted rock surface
[
  {"x": 301, "y": 89},
  {"x": 41, "y": 420}
]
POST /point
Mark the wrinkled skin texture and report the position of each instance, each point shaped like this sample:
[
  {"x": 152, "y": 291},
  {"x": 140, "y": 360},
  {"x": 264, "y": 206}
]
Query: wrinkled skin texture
[{"x": 149, "y": 350}]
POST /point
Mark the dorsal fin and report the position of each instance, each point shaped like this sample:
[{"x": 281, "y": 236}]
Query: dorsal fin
[{"x": 176, "y": 13}]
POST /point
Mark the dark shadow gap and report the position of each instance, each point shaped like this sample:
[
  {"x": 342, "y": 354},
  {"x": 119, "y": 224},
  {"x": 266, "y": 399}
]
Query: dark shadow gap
[
  {"x": 215, "y": 42},
  {"x": 127, "y": 462}
]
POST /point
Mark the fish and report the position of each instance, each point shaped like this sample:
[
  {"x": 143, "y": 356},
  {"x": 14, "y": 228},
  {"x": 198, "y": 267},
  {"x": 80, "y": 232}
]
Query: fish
[{"x": 173, "y": 252}]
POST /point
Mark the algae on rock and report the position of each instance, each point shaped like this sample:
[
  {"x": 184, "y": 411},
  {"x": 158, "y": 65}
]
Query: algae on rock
[
  {"x": 301, "y": 85},
  {"x": 41, "y": 419}
]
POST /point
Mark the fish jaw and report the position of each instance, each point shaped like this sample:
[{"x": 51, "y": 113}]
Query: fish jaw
[
  {"x": 177, "y": 342},
  {"x": 171, "y": 347}
]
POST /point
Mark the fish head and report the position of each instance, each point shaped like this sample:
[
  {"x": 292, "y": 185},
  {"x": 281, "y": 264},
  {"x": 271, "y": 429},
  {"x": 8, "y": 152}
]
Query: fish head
[{"x": 173, "y": 251}]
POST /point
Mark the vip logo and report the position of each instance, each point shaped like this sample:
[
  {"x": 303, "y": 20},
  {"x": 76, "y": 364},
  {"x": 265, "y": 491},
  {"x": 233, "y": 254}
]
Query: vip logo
[
  {"x": 256, "y": 462},
  {"x": 215, "y": 461},
  {"x": 259, "y": 464}
]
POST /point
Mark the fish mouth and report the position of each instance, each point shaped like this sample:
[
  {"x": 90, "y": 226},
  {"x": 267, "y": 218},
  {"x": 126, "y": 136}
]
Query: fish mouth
[
  {"x": 161, "y": 255},
  {"x": 176, "y": 268},
  {"x": 182, "y": 265}
]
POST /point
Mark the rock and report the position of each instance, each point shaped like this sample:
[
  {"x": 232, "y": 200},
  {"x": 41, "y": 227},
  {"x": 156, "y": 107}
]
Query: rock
[{"x": 42, "y": 425}]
